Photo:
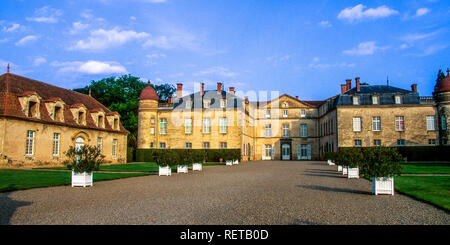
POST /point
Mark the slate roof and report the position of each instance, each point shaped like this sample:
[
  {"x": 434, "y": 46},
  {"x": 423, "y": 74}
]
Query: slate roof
[
  {"x": 19, "y": 86},
  {"x": 233, "y": 102},
  {"x": 386, "y": 94}
]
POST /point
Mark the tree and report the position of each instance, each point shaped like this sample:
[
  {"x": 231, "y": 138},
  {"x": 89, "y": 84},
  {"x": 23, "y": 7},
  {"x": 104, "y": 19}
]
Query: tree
[{"x": 121, "y": 94}]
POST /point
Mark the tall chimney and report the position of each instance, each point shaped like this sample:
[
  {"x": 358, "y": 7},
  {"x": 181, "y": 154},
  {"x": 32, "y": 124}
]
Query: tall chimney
[
  {"x": 179, "y": 90},
  {"x": 296, "y": 97},
  {"x": 246, "y": 99},
  {"x": 349, "y": 84},
  {"x": 358, "y": 85},
  {"x": 202, "y": 89},
  {"x": 343, "y": 88},
  {"x": 219, "y": 88},
  {"x": 231, "y": 90},
  {"x": 414, "y": 87}
]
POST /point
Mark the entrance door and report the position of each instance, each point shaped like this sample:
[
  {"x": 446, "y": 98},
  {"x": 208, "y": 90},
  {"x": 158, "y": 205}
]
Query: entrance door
[
  {"x": 267, "y": 152},
  {"x": 285, "y": 152},
  {"x": 304, "y": 152}
]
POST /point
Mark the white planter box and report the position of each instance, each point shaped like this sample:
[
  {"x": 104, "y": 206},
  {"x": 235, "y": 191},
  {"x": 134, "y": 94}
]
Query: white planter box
[
  {"x": 182, "y": 169},
  {"x": 197, "y": 167},
  {"x": 339, "y": 168},
  {"x": 229, "y": 163},
  {"x": 383, "y": 185},
  {"x": 344, "y": 170},
  {"x": 166, "y": 171},
  {"x": 82, "y": 179},
  {"x": 330, "y": 163},
  {"x": 235, "y": 162},
  {"x": 353, "y": 173}
]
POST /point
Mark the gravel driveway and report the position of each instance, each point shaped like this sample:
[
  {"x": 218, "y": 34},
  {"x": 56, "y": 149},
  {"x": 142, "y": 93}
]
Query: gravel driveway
[{"x": 255, "y": 193}]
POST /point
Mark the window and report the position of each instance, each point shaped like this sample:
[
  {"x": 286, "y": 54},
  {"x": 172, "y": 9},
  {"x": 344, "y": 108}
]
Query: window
[
  {"x": 81, "y": 117},
  {"x": 188, "y": 104},
  {"x": 358, "y": 143},
  {"x": 401, "y": 142},
  {"x": 162, "y": 145},
  {"x": 206, "y": 103},
  {"x": 443, "y": 123},
  {"x": 56, "y": 144},
  {"x": 152, "y": 145},
  {"x": 33, "y": 109},
  {"x": 100, "y": 121},
  {"x": 267, "y": 113},
  {"x": 29, "y": 147},
  {"x": 114, "y": 149},
  {"x": 188, "y": 126},
  {"x": 162, "y": 126},
  {"x": 223, "y": 145},
  {"x": 375, "y": 100},
  {"x": 206, "y": 125},
  {"x": 99, "y": 144},
  {"x": 357, "y": 124},
  {"x": 58, "y": 115},
  {"x": 432, "y": 141},
  {"x": 268, "y": 131},
  {"x": 355, "y": 100},
  {"x": 399, "y": 123},
  {"x": 206, "y": 145},
  {"x": 285, "y": 130},
  {"x": 303, "y": 113},
  {"x": 285, "y": 113},
  {"x": 377, "y": 142},
  {"x": 303, "y": 130},
  {"x": 116, "y": 124},
  {"x": 152, "y": 120},
  {"x": 188, "y": 145},
  {"x": 398, "y": 99},
  {"x": 223, "y": 103},
  {"x": 376, "y": 123},
  {"x": 152, "y": 130},
  {"x": 430, "y": 123},
  {"x": 223, "y": 124},
  {"x": 444, "y": 141}
]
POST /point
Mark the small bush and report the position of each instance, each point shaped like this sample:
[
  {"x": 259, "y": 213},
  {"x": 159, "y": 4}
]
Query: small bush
[{"x": 85, "y": 159}]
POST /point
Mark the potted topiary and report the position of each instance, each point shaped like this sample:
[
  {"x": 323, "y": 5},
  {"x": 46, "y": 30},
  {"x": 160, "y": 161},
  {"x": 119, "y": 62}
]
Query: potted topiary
[
  {"x": 236, "y": 157},
  {"x": 83, "y": 161},
  {"x": 182, "y": 161},
  {"x": 355, "y": 160},
  {"x": 382, "y": 164},
  {"x": 198, "y": 157},
  {"x": 162, "y": 159},
  {"x": 339, "y": 160},
  {"x": 228, "y": 156},
  {"x": 330, "y": 157}
]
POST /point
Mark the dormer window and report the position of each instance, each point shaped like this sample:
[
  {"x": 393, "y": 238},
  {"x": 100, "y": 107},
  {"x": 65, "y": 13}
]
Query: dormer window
[
  {"x": 303, "y": 112},
  {"x": 398, "y": 99},
  {"x": 375, "y": 100},
  {"x": 32, "y": 109},
  {"x": 58, "y": 114},
  {"x": 116, "y": 123},
  {"x": 267, "y": 113},
  {"x": 355, "y": 100},
  {"x": 81, "y": 119},
  {"x": 206, "y": 103},
  {"x": 101, "y": 121},
  {"x": 188, "y": 104},
  {"x": 223, "y": 103}
]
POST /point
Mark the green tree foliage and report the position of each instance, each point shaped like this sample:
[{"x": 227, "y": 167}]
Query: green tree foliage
[
  {"x": 84, "y": 159},
  {"x": 121, "y": 94}
]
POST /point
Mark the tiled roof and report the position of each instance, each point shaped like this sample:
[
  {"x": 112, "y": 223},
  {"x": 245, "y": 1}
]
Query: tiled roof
[
  {"x": 22, "y": 86},
  {"x": 149, "y": 93}
]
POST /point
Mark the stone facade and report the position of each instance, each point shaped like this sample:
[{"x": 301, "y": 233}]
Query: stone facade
[{"x": 39, "y": 122}]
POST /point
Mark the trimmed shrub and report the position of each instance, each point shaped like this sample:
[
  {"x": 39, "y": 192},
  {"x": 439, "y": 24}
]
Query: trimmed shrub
[
  {"x": 199, "y": 155},
  {"x": 381, "y": 162},
  {"x": 85, "y": 159}
]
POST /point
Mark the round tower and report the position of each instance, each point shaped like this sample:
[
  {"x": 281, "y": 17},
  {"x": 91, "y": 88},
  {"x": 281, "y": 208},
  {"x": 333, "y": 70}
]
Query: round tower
[
  {"x": 442, "y": 95},
  {"x": 147, "y": 118}
]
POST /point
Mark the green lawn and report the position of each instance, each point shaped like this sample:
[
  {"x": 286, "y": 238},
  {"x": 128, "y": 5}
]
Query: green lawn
[
  {"x": 12, "y": 179},
  {"x": 426, "y": 168},
  {"x": 432, "y": 189}
]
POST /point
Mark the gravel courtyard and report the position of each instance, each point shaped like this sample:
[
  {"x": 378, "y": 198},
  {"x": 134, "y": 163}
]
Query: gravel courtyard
[{"x": 255, "y": 193}]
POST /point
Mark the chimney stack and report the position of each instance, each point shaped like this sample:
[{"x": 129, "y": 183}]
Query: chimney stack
[
  {"x": 358, "y": 85},
  {"x": 202, "y": 89},
  {"x": 7, "y": 69},
  {"x": 343, "y": 88},
  {"x": 179, "y": 90},
  {"x": 296, "y": 97},
  {"x": 231, "y": 90},
  {"x": 219, "y": 88},
  {"x": 246, "y": 99},
  {"x": 414, "y": 87},
  {"x": 349, "y": 84}
]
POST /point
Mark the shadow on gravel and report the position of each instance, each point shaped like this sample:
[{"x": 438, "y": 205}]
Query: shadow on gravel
[
  {"x": 323, "y": 175},
  {"x": 8, "y": 206},
  {"x": 322, "y": 171},
  {"x": 324, "y": 188}
]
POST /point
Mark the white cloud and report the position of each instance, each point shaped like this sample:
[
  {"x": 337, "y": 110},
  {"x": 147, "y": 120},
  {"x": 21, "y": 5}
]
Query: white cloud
[
  {"x": 422, "y": 12},
  {"x": 278, "y": 59},
  {"x": 358, "y": 13},
  {"x": 315, "y": 64},
  {"x": 14, "y": 27},
  {"x": 39, "y": 61},
  {"x": 365, "y": 48},
  {"x": 433, "y": 49},
  {"x": 156, "y": 55},
  {"x": 26, "y": 40},
  {"x": 418, "y": 36},
  {"x": 174, "y": 40},
  {"x": 46, "y": 15},
  {"x": 325, "y": 24},
  {"x": 103, "y": 39},
  {"x": 78, "y": 27},
  {"x": 91, "y": 67},
  {"x": 218, "y": 71}
]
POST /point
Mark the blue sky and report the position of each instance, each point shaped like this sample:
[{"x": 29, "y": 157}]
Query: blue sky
[{"x": 303, "y": 48}]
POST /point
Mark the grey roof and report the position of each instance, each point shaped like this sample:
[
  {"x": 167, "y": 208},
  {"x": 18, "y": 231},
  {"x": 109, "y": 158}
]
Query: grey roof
[
  {"x": 377, "y": 89},
  {"x": 386, "y": 94},
  {"x": 233, "y": 102}
]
